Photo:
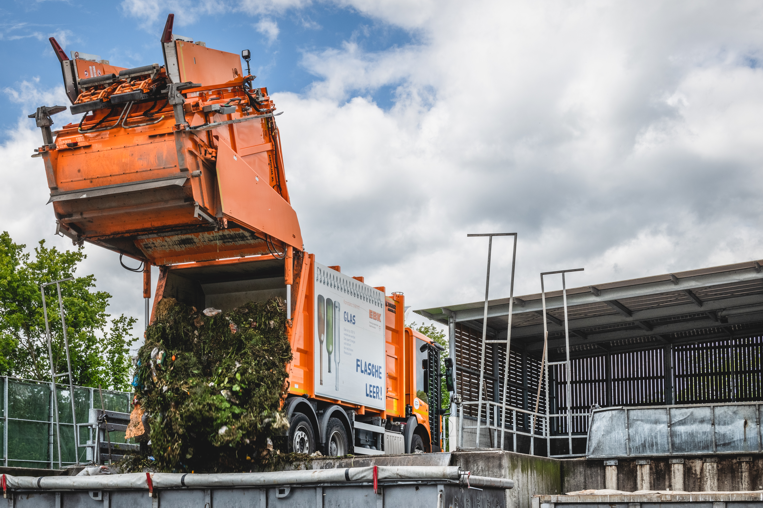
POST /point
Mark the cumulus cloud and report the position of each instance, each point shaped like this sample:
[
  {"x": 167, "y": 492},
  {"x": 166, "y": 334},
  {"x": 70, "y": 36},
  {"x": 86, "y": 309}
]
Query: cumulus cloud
[
  {"x": 268, "y": 28},
  {"x": 187, "y": 12},
  {"x": 617, "y": 137},
  {"x": 257, "y": 7}
]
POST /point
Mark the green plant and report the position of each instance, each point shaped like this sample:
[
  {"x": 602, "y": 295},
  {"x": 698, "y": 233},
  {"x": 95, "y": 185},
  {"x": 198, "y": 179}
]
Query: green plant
[{"x": 99, "y": 347}]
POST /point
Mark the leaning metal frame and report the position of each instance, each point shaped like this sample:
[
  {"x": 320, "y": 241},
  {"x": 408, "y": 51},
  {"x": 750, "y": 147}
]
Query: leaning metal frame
[
  {"x": 566, "y": 362},
  {"x": 53, "y": 374},
  {"x": 498, "y": 423},
  {"x": 484, "y": 343}
]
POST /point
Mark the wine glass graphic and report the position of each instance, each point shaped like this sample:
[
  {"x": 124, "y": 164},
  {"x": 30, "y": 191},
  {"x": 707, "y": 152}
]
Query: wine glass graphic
[
  {"x": 321, "y": 329},
  {"x": 329, "y": 329}
]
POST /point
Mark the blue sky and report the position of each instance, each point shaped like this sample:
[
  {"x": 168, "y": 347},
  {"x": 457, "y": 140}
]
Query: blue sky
[
  {"x": 108, "y": 30},
  {"x": 623, "y": 137}
]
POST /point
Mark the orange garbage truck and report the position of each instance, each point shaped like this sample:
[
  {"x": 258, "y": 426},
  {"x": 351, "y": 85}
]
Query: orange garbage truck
[{"x": 179, "y": 165}]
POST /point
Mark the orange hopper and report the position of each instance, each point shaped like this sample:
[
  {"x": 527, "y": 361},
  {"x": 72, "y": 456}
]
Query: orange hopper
[{"x": 170, "y": 163}]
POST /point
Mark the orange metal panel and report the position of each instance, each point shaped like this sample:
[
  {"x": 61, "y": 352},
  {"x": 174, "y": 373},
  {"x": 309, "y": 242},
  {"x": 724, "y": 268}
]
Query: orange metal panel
[
  {"x": 301, "y": 331},
  {"x": 116, "y": 160},
  {"x": 207, "y": 66},
  {"x": 87, "y": 69},
  {"x": 395, "y": 342},
  {"x": 410, "y": 367},
  {"x": 247, "y": 198}
]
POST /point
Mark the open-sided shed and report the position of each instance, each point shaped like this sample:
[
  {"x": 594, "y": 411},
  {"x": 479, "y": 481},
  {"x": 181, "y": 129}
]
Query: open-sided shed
[{"x": 683, "y": 338}]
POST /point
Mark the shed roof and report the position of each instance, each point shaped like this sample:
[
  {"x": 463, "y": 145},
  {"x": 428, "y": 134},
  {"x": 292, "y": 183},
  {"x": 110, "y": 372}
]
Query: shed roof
[{"x": 692, "y": 306}]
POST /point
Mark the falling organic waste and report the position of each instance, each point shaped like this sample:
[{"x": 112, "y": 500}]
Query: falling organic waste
[{"x": 211, "y": 383}]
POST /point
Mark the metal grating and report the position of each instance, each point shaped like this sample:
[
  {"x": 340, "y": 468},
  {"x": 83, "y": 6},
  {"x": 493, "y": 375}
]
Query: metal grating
[{"x": 720, "y": 371}]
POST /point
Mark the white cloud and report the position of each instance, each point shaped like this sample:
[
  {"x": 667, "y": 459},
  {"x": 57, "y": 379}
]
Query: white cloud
[
  {"x": 404, "y": 13},
  {"x": 617, "y": 137},
  {"x": 65, "y": 37},
  {"x": 257, "y": 7},
  {"x": 268, "y": 28},
  {"x": 187, "y": 12}
]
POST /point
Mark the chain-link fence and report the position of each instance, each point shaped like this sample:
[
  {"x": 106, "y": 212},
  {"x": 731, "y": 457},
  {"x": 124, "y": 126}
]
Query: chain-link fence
[{"x": 28, "y": 429}]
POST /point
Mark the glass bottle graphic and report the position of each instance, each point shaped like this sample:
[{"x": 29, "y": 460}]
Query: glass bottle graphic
[
  {"x": 321, "y": 330},
  {"x": 329, "y": 329},
  {"x": 337, "y": 340}
]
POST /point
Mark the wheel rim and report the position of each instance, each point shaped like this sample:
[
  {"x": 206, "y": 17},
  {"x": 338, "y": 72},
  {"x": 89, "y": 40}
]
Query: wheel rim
[
  {"x": 301, "y": 441},
  {"x": 336, "y": 445}
]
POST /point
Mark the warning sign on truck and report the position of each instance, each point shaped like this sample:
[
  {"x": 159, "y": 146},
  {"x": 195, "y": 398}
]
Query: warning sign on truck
[{"x": 349, "y": 340}]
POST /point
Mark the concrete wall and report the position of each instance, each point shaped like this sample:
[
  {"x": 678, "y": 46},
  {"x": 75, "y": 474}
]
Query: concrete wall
[
  {"x": 531, "y": 475},
  {"x": 720, "y": 473}
]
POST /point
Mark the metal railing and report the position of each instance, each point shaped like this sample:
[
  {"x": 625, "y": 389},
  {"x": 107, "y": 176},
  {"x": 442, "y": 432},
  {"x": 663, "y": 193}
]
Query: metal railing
[
  {"x": 35, "y": 408},
  {"x": 496, "y": 422}
]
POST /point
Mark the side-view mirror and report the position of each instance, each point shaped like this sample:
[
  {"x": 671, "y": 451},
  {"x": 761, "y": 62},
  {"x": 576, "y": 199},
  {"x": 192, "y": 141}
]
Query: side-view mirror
[{"x": 449, "y": 384}]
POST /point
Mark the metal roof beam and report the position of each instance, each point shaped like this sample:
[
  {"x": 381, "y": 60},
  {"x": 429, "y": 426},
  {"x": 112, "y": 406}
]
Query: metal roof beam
[
  {"x": 580, "y": 334},
  {"x": 478, "y": 328},
  {"x": 661, "y": 330},
  {"x": 549, "y": 317},
  {"x": 586, "y": 296},
  {"x": 646, "y": 315},
  {"x": 619, "y": 307},
  {"x": 694, "y": 297},
  {"x": 625, "y": 311},
  {"x": 642, "y": 346},
  {"x": 553, "y": 319}
]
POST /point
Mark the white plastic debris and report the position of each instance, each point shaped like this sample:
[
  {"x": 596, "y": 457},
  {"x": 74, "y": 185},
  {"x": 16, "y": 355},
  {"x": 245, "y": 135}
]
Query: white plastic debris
[
  {"x": 211, "y": 311},
  {"x": 93, "y": 471}
]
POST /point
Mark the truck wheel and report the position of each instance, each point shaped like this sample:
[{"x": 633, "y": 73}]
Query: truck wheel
[
  {"x": 301, "y": 435},
  {"x": 337, "y": 444},
  {"x": 417, "y": 444}
]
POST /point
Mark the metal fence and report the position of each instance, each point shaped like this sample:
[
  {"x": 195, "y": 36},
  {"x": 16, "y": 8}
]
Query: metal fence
[
  {"x": 27, "y": 427},
  {"x": 719, "y": 371},
  {"x": 729, "y": 370}
]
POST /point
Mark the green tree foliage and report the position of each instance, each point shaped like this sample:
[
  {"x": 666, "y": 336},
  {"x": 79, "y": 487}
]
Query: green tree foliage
[{"x": 99, "y": 347}]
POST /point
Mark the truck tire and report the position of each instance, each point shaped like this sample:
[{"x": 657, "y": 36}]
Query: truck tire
[
  {"x": 301, "y": 434},
  {"x": 417, "y": 444},
  {"x": 337, "y": 443}
]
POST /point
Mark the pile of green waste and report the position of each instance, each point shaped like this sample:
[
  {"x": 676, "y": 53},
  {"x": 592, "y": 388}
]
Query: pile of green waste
[{"x": 211, "y": 383}]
